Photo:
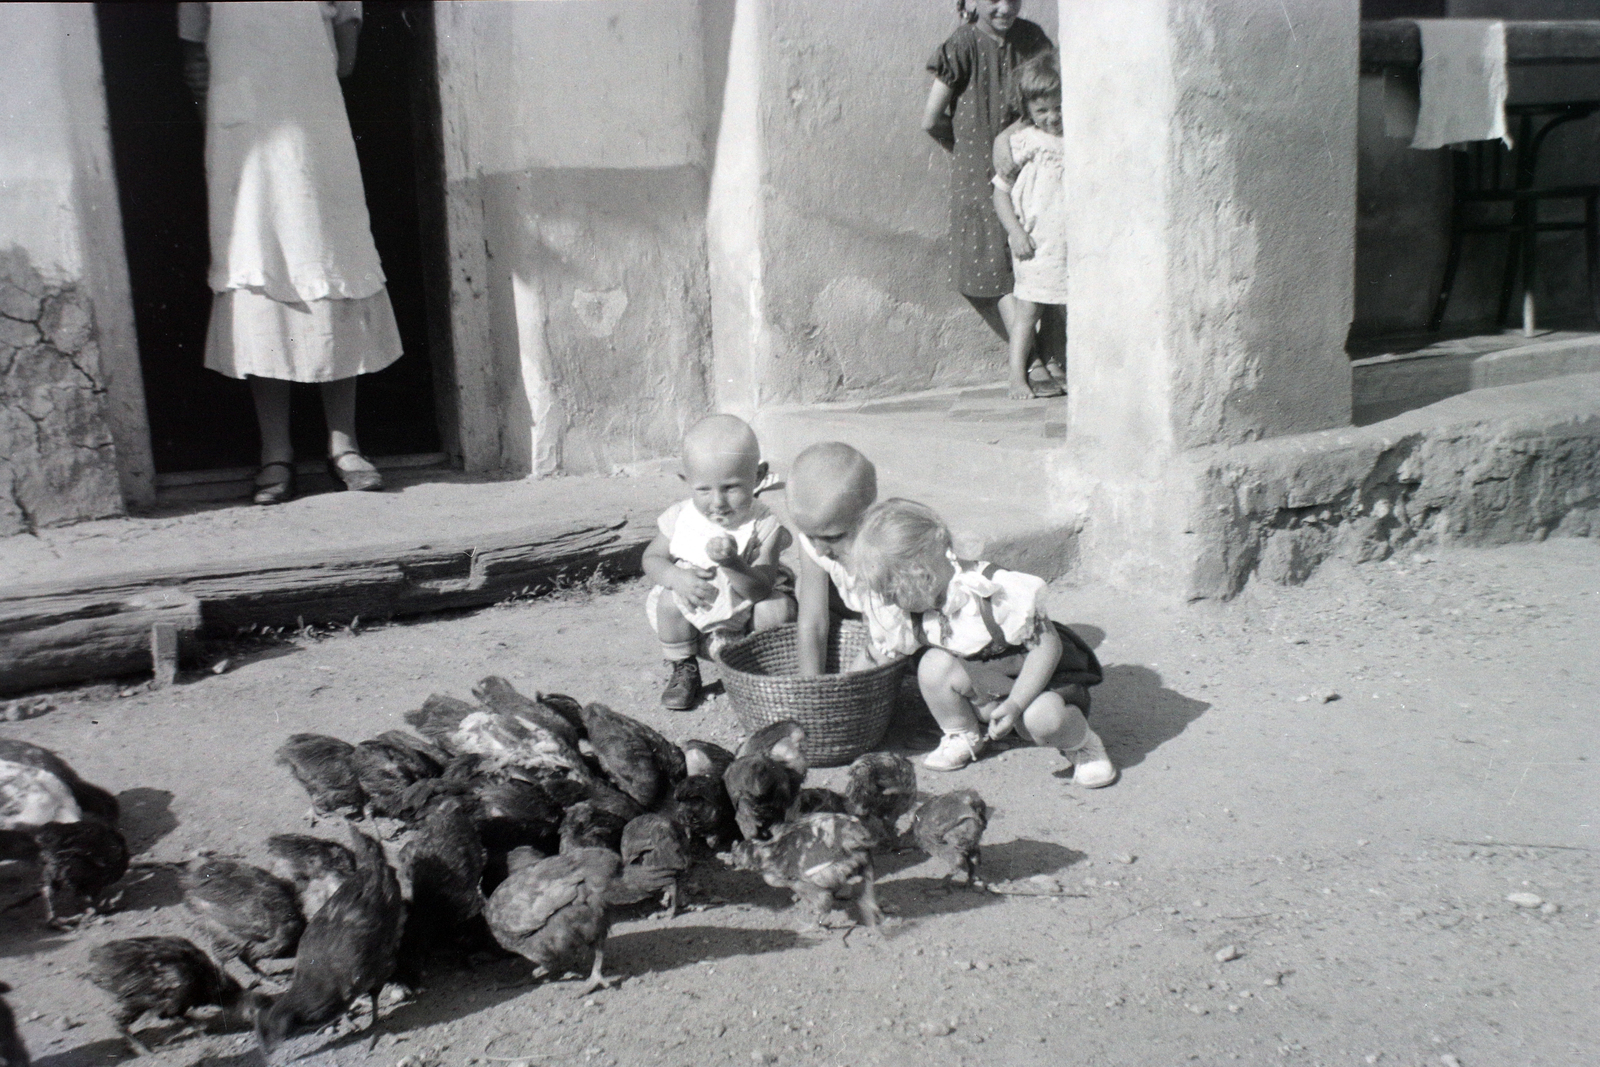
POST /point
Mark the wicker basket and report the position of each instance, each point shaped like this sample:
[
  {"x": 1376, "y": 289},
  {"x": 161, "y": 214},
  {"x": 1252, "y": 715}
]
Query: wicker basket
[{"x": 844, "y": 715}]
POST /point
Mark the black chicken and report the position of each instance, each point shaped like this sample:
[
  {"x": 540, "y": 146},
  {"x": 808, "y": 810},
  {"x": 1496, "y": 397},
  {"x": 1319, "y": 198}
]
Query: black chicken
[
  {"x": 762, "y": 791},
  {"x": 439, "y": 717},
  {"x": 87, "y": 857},
  {"x": 325, "y": 767},
  {"x": 165, "y": 975},
  {"x": 702, "y": 810},
  {"x": 814, "y": 799},
  {"x": 386, "y": 768},
  {"x": 13, "y": 1053},
  {"x": 555, "y": 913},
  {"x": 249, "y": 914},
  {"x": 499, "y": 695},
  {"x": 655, "y": 855},
  {"x": 316, "y": 866},
  {"x": 881, "y": 788},
  {"x": 587, "y": 826},
  {"x": 94, "y": 801},
  {"x": 348, "y": 950},
  {"x": 950, "y": 827},
  {"x": 641, "y": 762},
  {"x": 823, "y": 858},
  {"x": 443, "y": 862},
  {"x": 705, "y": 757}
]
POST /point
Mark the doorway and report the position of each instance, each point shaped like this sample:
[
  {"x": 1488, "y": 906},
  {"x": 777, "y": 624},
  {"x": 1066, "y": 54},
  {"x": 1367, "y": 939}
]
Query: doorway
[{"x": 199, "y": 420}]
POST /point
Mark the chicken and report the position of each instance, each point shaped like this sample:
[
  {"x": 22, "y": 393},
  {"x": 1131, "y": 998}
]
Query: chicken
[
  {"x": 782, "y": 741},
  {"x": 813, "y": 799},
  {"x": 443, "y": 863},
  {"x": 824, "y": 858},
  {"x": 31, "y": 796},
  {"x": 565, "y": 707},
  {"x": 702, "y": 810},
  {"x": 587, "y": 826},
  {"x": 509, "y": 741},
  {"x": 512, "y": 811},
  {"x": 439, "y": 717},
  {"x": 165, "y": 975},
  {"x": 249, "y": 914},
  {"x": 349, "y": 950},
  {"x": 427, "y": 749},
  {"x": 499, "y": 696},
  {"x": 386, "y": 768},
  {"x": 704, "y": 757},
  {"x": 655, "y": 855},
  {"x": 317, "y": 867},
  {"x": 950, "y": 827},
  {"x": 501, "y": 865},
  {"x": 325, "y": 767},
  {"x": 13, "y": 1053},
  {"x": 641, "y": 762},
  {"x": 881, "y": 788},
  {"x": 87, "y": 857},
  {"x": 555, "y": 913},
  {"x": 93, "y": 801},
  {"x": 762, "y": 790}
]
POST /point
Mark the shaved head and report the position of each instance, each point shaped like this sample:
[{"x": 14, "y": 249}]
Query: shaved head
[
  {"x": 830, "y": 486},
  {"x": 719, "y": 440}
]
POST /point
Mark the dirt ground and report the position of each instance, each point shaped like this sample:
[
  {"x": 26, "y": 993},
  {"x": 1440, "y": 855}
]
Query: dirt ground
[{"x": 1340, "y": 784}]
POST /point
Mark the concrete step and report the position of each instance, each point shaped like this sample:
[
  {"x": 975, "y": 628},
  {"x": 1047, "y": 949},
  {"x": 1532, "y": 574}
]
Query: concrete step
[
  {"x": 989, "y": 465},
  {"x": 1385, "y": 385}
]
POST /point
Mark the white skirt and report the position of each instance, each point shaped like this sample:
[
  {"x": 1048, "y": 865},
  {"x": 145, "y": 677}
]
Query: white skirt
[{"x": 314, "y": 341}]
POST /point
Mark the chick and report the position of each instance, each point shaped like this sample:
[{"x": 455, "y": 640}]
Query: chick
[
  {"x": 882, "y": 787},
  {"x": 824, "y": 858},
  {"x": 705, "y": 757},
  {"x": 500, "y": 696},
  {"x": 813, "y": 799},
  {"x": 386, "y": 768},
  {"x": 317, "y": 867},
  {"x": 554, "y": 913},
  {"x": 95, "y": 802},
  {"x": 87, "y": 857},
  {"x": 950, "y": 827},
  {"x": 443, "y": 862},
  {"x": 349, "y": 950},
  {"x": 13, "y": 1053},
  {"x": 655, "y": 855},
  {"x": 762, "y": 790},
  {"x": 587, "y": 826},
  {"x": 325, "y": 767},
  {"x": 783, "y": 742},
  {"x": 249, "y": 914},
  {"x": 502, "y": 865},
  {"x": 702, "y": 810},
  {"x": 165, "y": 975},
  {"x": 641, "y": 762}
]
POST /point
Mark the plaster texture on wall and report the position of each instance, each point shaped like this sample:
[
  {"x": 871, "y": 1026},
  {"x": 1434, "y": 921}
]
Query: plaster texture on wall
[
  {"x": 575, "y": 146},
  {"x": 64, "y": 273}
]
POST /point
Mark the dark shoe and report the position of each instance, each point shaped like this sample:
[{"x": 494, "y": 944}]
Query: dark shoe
[
  {"x": 356, "y": 481},
  {"x": 277, "y": 492},
  {"x": 683, "y": 689}
]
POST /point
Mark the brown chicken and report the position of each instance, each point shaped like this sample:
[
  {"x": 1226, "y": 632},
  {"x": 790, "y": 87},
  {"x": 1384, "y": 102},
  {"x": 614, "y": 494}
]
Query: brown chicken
[
  {"x": 637, "y": 759},
  {"x": 95, "y": 802},
  {"x": 588, "y": 826},
  {"x": 762, "y": 791},
  {"x": 443, "y": 862},
  {"x": 348, "y": 951},
  {"x": 814, "y": 798},
  {"x": 655, "y": 856},
  {"x": 705, "y": 757},
  {"x": 386, "y": 767},
  {"x": 882, "y": 787},
  {"x": 86, "y": 857},
  {"x": 13, "y": 1053},
  {"x": 555, "y": 913},
  {"x": 950, "y": 827},
  {"x": 702, "y": 810},
  {"x": 249, "y": 914},
  {"x": 325, "y": 767},
  {"x": 500, "y": 696},
  {"x": 782, "y": 741},
  {"x": 165, "y": 975},
  {"x": 317, "y": 867},
  {"x": 825, "y": 859}
]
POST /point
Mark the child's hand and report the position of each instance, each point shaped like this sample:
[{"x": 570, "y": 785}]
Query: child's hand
[
  {"x": 693, "y": 586},
  {"x": 1003, "y": 719},
  {"x": 722, "y": 549},
  {"x": 1021, "y": 245}
]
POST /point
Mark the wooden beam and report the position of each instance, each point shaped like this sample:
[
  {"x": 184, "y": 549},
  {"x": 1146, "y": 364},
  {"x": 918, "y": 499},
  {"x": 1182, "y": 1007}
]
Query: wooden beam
[{"x": 67, "y": 637}]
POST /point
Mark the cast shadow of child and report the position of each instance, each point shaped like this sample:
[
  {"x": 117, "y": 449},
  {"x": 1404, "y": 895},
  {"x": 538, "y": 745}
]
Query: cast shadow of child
[{"x": 1135, "y": 714}]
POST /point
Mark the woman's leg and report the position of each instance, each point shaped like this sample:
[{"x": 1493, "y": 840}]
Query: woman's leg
[
  {"x": 271, "y": 396},
  {"x": 1053, "y": 342},
  {"x": 339, "y": 409},
  {"x": 998, "y": 312},
  {"x": 1023, "y": 322}
]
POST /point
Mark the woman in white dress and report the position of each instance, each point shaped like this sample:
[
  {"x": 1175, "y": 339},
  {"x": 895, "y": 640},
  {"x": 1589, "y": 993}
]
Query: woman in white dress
[{"x": 299, "y": 295}]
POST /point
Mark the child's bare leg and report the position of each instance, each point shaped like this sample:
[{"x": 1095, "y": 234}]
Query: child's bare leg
[
  {"x": 773, "y": 611},
  {"x": 948, "y": 691},
  {"x": 1023, "y": 323}
]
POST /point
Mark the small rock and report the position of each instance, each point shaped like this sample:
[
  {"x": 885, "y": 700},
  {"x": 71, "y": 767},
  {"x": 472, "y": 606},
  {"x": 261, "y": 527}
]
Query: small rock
[
  {"x": 1374, "y": 1057},
  {"x": 934, "y": 1029},
  {"x": 221, "y": 666},
  {"x": 1328, "y": 697},
  {"x": 981, "y": 965},
  {"x": 1548, "y": 908},
  {"x": 1226, "y": 953},
  {"x": 763, "y": 1057},
  {"x": 63, "y": 1023},
  {"x": 1233, "y": 1008},
  {"x": 1126, "y": 857},
  {"x": 1197, "y": 1009},
  {"x": 1301, "y": 699},
  {"x": 1448, "y": 1060},
  {"x": 1525, "y": 900}
]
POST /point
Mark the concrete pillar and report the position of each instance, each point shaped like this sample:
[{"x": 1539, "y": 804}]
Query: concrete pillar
[{"x": 1212, "y": 158}]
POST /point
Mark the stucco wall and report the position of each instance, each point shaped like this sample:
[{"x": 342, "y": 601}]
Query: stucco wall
[
  {"x": 846, "y": 291},
  {"x": 73, "y": 441},
  {"x": 575, "y": 147}
]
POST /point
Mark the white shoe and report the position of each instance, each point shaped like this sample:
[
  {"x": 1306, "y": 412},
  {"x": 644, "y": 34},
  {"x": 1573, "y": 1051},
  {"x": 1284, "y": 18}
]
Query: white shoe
[
  {"x": 955, "y": 751},
  {"x": 1091, "y": 767}
]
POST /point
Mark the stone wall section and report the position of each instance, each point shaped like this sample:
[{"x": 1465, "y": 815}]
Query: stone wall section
[{"x": 57, "y": 460}]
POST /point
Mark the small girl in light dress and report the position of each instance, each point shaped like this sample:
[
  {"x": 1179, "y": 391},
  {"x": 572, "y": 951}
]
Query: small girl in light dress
[
  {"x": 993, "y": 655},
  {"x": 1031, "y": 199}
]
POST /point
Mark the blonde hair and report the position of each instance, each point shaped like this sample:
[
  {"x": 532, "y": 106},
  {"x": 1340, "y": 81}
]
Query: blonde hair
[{"x": 897, "y": 550}]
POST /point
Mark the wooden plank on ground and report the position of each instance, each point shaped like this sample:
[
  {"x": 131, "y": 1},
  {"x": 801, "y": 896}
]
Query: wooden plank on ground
[{"x": 71, "y": 637}]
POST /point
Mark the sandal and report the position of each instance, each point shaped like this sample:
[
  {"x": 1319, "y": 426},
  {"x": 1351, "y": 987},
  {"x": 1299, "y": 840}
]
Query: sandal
[
  {"x": 279, "y": 492},
  {"x": 357, "y": 481}
]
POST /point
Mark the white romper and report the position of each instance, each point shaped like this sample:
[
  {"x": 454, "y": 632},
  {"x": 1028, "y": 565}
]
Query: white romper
[
  {"x": 1039, "y": 197},
  {"x": 687, "y": 532}
]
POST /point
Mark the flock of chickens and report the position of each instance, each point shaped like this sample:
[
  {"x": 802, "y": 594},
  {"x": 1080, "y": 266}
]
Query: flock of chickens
[{"x": 515, "y": 824}]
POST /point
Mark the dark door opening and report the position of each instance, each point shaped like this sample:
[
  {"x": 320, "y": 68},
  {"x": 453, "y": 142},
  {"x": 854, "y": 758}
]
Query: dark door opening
[{"x": 200, "y": 420}]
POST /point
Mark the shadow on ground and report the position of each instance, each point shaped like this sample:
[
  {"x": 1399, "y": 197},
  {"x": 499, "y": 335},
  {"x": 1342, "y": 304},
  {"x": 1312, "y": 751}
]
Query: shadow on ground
[
  {"x": 1135, "y": 714},
  {"x": 668, "y": 948},
  {"x": 146, "y": 817}
]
